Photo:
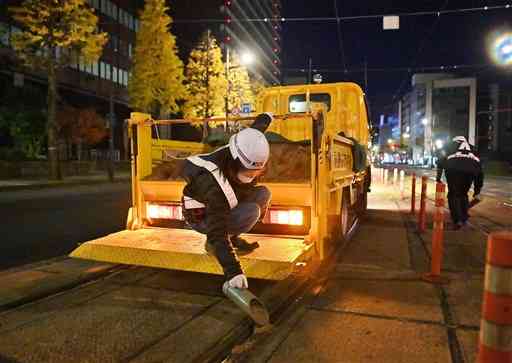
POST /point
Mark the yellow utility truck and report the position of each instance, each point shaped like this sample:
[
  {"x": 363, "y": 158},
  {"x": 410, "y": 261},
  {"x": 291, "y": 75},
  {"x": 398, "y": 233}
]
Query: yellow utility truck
[{"x": 318, "y": 174}]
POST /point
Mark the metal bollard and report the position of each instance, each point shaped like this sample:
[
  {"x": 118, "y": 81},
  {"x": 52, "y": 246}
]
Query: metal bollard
[
  {"x": 437, "y": 238},
  {"x": 248, "y": 303},
  {"x": 402, "y": 183},
  {"x": 413, "y": 194},
  {"x": 422, "y": 219},
  {"x": 395, "y": 176},
  {"x": 496, "y": 324}
]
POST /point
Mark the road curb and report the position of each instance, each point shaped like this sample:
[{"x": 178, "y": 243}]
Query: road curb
[{"x": 63, "y": 184}]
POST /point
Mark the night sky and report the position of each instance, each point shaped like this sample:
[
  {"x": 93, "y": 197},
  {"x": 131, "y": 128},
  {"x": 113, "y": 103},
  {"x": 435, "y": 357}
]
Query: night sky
[{"x": 421, "y": 41}]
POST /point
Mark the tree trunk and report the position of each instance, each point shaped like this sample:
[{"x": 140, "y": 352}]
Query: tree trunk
[
  {"x": 53, "y": 152},
  {"x": 79, "y": 150}
]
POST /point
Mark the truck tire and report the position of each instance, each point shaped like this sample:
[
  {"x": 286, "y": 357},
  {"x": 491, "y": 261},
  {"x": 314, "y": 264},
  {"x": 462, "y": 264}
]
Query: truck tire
[
  {"x": 363, "y": 205},
  {"x": 344, "y": 215}
]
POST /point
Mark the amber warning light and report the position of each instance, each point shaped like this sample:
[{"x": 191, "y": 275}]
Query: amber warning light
[
  {"x": 165, "y": 211},
  {"x": 293, "y": 217}
]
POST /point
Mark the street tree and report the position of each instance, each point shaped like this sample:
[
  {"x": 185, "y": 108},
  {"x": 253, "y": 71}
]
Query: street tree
[
  {"x": 156, "y": 84},
  {"x": 258, "y": 86},
  {"x": 56, "y": 33},
  {"x": 206, "y": 79},
  {"x": 81, "y": 127},
  {"x": 240, "y": 90}
]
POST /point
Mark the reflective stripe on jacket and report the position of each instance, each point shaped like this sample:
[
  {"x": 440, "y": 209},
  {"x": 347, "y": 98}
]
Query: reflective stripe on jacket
[{"x": 223, "y": 182}]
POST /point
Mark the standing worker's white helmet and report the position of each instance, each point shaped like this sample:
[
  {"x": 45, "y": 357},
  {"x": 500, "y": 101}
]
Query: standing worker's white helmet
[{"x": 251, "y": 148}]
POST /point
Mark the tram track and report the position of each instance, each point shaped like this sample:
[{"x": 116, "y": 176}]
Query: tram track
[{"x": 124, "y": 288}]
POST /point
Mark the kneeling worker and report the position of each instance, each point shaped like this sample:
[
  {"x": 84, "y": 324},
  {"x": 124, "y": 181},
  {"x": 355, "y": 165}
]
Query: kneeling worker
[{"x": 221, "y": 198}]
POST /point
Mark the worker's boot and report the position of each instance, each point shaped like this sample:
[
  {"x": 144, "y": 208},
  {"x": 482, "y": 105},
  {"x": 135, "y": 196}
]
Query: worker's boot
[{"x": 242, "y": 246}]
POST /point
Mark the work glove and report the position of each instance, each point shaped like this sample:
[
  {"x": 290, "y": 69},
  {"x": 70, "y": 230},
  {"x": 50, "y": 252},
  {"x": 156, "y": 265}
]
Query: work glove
[{"x": 239, "y": 281}]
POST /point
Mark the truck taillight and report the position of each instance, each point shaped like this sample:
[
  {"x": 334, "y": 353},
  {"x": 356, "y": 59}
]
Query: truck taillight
[
  {"x": 293, "y": 217},
  {"x": 164, "y": 211}
]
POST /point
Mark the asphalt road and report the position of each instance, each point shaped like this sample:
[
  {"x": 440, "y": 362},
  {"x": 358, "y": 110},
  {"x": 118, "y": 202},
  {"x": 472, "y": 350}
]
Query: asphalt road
[{"x": 42, "y": 224}]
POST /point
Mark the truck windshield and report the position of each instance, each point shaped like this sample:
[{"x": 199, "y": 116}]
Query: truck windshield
[{"x": 298, "y": 104}]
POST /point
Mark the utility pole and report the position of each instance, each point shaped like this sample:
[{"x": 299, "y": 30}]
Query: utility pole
[
  {"x": 207, "y": 106},
  {"x": 365, "y": 76},
  {"x": 310, "y": 69},
  {"x": 228, "y": 85},
  {"x": 111, "y": 119}
]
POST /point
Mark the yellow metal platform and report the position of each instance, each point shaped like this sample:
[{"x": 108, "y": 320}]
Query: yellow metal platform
[{"x": 181, "y": 249}]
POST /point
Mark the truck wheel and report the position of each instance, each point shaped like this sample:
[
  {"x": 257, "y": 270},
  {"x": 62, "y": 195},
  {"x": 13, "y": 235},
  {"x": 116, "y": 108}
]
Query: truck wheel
[
  {"x": 345, "y": 215},
  {"x": 364, "y": 203}
]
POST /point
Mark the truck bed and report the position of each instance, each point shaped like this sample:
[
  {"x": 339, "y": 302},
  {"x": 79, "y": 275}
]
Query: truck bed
[{"x": 288, "y": 163}]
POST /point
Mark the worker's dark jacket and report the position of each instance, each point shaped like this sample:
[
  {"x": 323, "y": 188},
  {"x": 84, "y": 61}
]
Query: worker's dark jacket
[
  {"x": 203, "y": 187},
  {"x": 463, "y": 162}
]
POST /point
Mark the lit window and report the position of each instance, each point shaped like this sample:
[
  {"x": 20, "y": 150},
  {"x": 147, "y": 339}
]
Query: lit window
[
  {"x": 114, "y": 74},
  {"x": 114, "y": 11},
  {"x": 130, "y": 50},
  {"x": 122, "y": 15},
  {"x": 95, "y": 69},
  {"x": 107, "y": 71},
  {"x": 104, "y": 6},
  {"x": 102, "y": 70},
  {"x": 137, "y": 25},
  {"x": 110, "y": 9},
  {"x": 4, "y": 34}
]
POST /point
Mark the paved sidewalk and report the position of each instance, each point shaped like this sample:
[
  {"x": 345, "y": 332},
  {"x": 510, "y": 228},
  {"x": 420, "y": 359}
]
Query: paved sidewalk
[
  {"x": 27, "y": 184},
  {"x": 375, "y": 307}
]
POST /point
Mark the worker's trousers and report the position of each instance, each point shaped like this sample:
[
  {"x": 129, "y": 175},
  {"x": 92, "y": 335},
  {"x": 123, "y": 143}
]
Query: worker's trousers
[
  {"x": 245, "y": 215},
  {"x": 459, "y": 184}
]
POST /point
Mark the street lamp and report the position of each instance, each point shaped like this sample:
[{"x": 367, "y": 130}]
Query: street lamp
[
  {"x": 424, "y": 121},
  {"x": 501, "y": 49},
  {"x": 247, "y": 58}
]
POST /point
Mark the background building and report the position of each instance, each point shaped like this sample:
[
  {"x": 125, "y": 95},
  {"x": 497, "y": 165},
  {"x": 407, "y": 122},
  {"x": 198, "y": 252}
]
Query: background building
[
  {"x": 438, "y": 108},
  {"x": 494, "y": 120},
  {"x": 102, "y": 85},
  {"x": 262, "y": 38}
]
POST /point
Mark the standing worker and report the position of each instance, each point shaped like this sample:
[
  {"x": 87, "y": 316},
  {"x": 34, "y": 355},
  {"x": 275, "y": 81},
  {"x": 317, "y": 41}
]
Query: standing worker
[
  {"x": 221, "y": 198},
  {"x": 462, "y": 168}
]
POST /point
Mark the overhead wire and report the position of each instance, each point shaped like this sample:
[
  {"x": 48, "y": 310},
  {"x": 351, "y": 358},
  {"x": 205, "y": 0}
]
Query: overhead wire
[
  {"x": 390, "y": 69},
  {"x": 350, "y": 18},
  {"x": 418, "y": 53}
]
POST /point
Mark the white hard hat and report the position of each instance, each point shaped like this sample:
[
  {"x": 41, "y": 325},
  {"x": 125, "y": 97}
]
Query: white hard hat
[
  {"x": 250, "y": 146},
  {"x": 464, "y": 144}
]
